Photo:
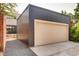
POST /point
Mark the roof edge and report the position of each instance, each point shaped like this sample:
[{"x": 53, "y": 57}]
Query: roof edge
[
  {"x": 24, "y": 10},
  {"x": 47, "y": 9}
]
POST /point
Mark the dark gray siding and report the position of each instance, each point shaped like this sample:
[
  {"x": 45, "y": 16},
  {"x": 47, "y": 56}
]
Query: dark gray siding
[
  {"x": 23, "y": 25},
  {"x": 41, "y": 13}
]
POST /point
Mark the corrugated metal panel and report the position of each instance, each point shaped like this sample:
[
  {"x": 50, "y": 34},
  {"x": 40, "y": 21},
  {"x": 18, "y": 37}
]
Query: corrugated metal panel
[
  {"x": 23, "y": 26},
  {"x": 45, "y": 14}
]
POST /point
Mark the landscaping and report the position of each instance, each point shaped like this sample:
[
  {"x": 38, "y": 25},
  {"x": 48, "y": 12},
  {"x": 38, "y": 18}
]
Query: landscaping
[
  {"x": 74, "y": 32},
  {"x": 74, "y": 28}
]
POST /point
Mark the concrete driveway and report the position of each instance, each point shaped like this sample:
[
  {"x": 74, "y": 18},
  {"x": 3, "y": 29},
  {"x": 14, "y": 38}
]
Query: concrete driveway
[
  {"x": 67, "y": 48},
  {"x": 17, "y": 48}
]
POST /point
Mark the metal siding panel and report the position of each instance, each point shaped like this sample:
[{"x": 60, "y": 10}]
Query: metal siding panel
[
  {"x": 41, "y": 13},
  {"x": 22, "y": 22},
  {"x": 31, "y": 28}
]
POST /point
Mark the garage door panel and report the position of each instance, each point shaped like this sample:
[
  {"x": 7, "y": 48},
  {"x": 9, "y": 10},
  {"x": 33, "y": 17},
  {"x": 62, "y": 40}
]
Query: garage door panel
[{"x": 49, "y": 32}]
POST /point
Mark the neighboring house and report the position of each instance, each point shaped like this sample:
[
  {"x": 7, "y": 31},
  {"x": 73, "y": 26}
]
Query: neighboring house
[
  {"x": 11, "y": 25},
  {"x": 6, "y": 22},
  {"x": 40, "y": 26}
]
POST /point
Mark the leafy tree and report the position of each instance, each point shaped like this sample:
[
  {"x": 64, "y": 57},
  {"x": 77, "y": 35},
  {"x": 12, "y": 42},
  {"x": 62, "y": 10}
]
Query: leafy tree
[
  {"x": 77, "y": 12},
  {"x": 69, "y": 14},
  {"x": 74, "y": 30},
  {"x": 64, "y": 12},
  {"x": 8, "y": 9}
]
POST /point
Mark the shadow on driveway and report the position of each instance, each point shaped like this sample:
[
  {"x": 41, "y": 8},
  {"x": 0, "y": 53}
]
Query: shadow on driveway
[{"x": 17, "y": 48}]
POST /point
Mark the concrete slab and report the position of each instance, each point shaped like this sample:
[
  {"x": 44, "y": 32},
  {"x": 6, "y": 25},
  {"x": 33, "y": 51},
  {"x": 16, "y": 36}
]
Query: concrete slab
[
  {"x": 74, "y": 51},
  {"x": 63, "y": 48}
]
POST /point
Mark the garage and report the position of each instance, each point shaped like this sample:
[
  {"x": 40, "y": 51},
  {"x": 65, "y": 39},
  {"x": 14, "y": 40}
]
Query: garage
[
  {"x": 47, "y": 32},
  {"x": 39, "y": 26}
]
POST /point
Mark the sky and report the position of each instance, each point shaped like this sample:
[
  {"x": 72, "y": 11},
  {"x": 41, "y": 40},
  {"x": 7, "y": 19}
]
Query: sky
[{"x": 69, "y": 7}]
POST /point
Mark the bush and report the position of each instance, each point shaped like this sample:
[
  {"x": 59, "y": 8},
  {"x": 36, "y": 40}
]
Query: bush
[{"x": 74, "y": 32}]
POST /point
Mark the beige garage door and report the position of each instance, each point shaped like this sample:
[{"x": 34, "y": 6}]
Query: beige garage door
[{"x": 47, "y": 32}]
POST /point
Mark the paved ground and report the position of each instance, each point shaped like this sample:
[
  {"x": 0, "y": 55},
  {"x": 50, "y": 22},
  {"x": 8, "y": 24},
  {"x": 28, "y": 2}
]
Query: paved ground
[
  {"x": 17, "y": 48},
  {"x": 59, "y": 49}
]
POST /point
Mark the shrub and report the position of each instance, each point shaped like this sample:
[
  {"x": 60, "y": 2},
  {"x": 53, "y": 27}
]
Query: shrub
[{"x": 74, "y": 32}]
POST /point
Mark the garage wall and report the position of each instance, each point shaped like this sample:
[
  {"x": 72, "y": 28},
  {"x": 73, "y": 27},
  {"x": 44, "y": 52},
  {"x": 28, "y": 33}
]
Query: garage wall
[
  {"x": 23, "y": 26},
  {"x": 49, "y": 32}
]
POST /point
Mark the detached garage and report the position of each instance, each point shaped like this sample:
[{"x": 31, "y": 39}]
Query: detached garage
[{"x": 39, "y": 26}]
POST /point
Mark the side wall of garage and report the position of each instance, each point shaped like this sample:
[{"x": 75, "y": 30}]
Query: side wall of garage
[{"x": 23, "y": 26}]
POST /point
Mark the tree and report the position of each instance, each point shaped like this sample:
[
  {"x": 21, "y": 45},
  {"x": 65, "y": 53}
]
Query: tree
[
  {"x": 69, "y": 14},
  {"x": 77, "y": 12},
  {"x": 8, "y": 9},
  {"x": 74, "y": 30},
  {"x": 64, "y": 12}
]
